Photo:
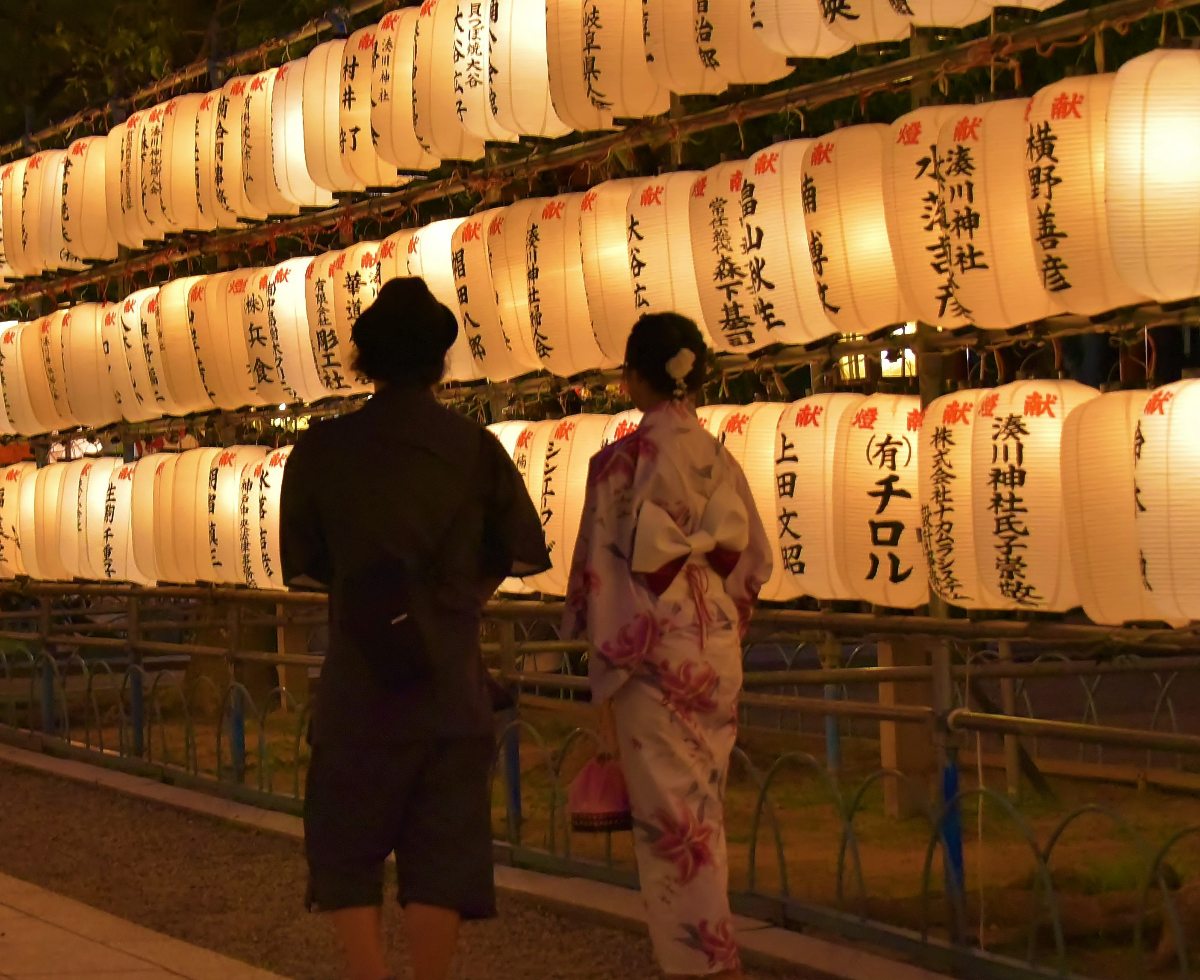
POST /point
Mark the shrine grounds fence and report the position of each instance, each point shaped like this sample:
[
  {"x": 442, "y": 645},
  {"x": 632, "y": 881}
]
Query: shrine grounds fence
[{"x": 872, "y": 748}]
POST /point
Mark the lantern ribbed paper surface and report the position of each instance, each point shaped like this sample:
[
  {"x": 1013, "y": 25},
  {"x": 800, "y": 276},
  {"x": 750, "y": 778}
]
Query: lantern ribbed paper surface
[
  {"x": 180, "y": 344},
  {"x": 249, "y": 507},
  {"x": 85, "y": 372},
  {"x": 658, "y": 238},
  {"x": 50, "y": 523},
  {"x": 948, "y": 13},
  {"x": 1152, "y": 180},
  {"x": 519, "y": 81},
  {"x": 429, "y": 258},
  {"x": 153, "y": 188},
  {"x": 84, "y": 215},
  {"x": 56, "y": 250},
  {"x": 916, "y": 223},
  {"x": 950, "y": 497},
  {"x": 253, "y": 361},
  {"x": 506, "y": 241},
  {"x": 515, "y": 437},
  {"x": 392, "y": 93},
  {"x": 332, "y": 356},
  {"x": 18, "y": 406},
  {"x": 27, "y": 513},
  {"x": 189, "y": 516},
  {"x": 33, "y": 224},
  {"x": 136, "y": 178},
  {"x": 287, "y": 139},
  {"x": 1166, "y": 452},
  {"x": 868, "y": 21},
  {"x": 355, "y": 134},
  {"x": 712, "y": 418},
  {"x": 40, "y": 385},
  {"x": 679, "y": 49},
  {"x": 435, "y": 88},
  {"x": 749, "y": 435},
  {"x": 151, "y": 476},
  {"x": 622, "y": 76},
  {"x": 802, "y": 526},
  {"x": 621, "y": 425},
  {"x": 287, "y": 322},
  {"x": 217, "y": 304},
  {"x": 94, "y": 547},
  {"x": 495, "y": 353},
  {"x": 844, "y": 213},
  {"x": 735, "y": 44},
  {"x": 16, "y": 252},
  {"x": 323, "y": 91},
  {"x": 606, "y": 274},
  {"x": 50, "y": 342},
  {"x": 1020, "y": 522},
  {"x": 876, "y": 512},
  {"x": 165, "y": 560},
  {"x": 471, "y": 57},
  {"x": 394, "y": 252},
  {"x": 72, "y": 513},
  {"x": 11, "y": 478},
  {"x": 117, "y": 560},
  {"x": 222, "y": 562},
  {"x": 218, "y": 195},
  {"x": 180, "y": 174},
  {"x": 989, "y": 258},
  {"x": 355, "y": 279},
  {"x": 263, "y": 187},
  {"x": 574, "y": 34},
  {"x": 1098, "y": 475},
  {"x": 1065, "y": 155},
  {"x": 798, "y": 28},
  {"x": 121, "y": 339},
  {"x": 268, "y": 517}
]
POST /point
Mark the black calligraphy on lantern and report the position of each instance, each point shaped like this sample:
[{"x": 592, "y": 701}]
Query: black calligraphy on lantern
[
  {"x": 937, "y": 514},
  {"x": 592, "y": 49},
  {"x": 891, "y": 457},
  {"x": 957, "y": 254},
  {"x": 1040, "y": 148},
  {"x": 533, "y": 272},
  {"x": 1007, "y": 503},
  {"x": 729, "y": 276},
  {"x": 822, "y": 155}
]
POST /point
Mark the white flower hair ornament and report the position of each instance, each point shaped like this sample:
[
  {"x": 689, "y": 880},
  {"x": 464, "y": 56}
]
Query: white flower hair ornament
[{"x": 679, "y": 367}]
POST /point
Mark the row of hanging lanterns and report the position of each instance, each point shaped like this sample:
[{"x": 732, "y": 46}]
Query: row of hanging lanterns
[{"x": 1037, "y": 495}]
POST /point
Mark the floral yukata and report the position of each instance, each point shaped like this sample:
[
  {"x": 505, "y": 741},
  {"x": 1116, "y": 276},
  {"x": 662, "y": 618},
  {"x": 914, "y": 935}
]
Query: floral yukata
[{"x": 668, "y": 564}]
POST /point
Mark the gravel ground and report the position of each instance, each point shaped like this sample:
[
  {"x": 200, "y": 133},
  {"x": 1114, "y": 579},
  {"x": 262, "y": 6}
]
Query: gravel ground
[{"x": 239, "y": 892}]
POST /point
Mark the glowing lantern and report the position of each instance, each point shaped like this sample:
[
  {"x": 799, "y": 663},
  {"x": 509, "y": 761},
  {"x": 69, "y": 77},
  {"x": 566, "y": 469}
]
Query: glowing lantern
[
  {"x": 606, "y": 272},
  {"x": 12, "y": 564},
  {"x": 215, "y": 305},
  {"x": 85, "y": 372},
  {"x": 40, "y": 385},
  {"x": 507, "y": 246},
  {"x": 1020, "y": 532},
  {"x": 394, "y": 252},
  {"x": 573, "y": 40},
  {"x": 496, "y": 356},
  {"x": 472, "y": 51},
  {"x": 429, "y": 258},
  {"x": 749, "y": 435},
  {"x": 253, "y": 360},
  {"x": 916, "y": 230},
  {"x": 868, "y": 21},
  {"x": 180, "y": 189},
  {"x": 84, "y": 216},
  {"x": 229, "y": 148},
  {"x": 49, "y": 523},
  {"x": 287, "y": 321},
  {"x": 1065, "y": 199},
  {"x": 735, "y": 44},
  {"x": 268, "y": 514},
  {"x": 679, "y": 48},
  {"x": 392, "y": 93},
  {"x": 621, "y": 76},
  {"x": 94, "y": 552},
  {"x": 356, "y": 280},
  {"x": 518, "y": 70},
  {"x": 222, "y": 560},
  {"x": 212, "y": 133},
  {"x": 876, "y": 511},
  {"x": 18, "y": 405},
  {"x": 323, "y": 93},
  {"x": 160, "y": 527},
  {"x": 798, "y": 29},
  {"x": 435, "y": 89},
  {"x": 950, "y": 497},
  {"x": 659, "y": 243},
  {"x": 1167, "y": 479},
  {"x": 133, "y": 177},
  {"x": 802, "y": 525},
  {"x": 1152, "y": 179},
  {"x": 355, "y": 136},
  {"x": 33, "y": 224},
  {"x": 144, "y": 512},
  {"x": 116, "y": 559},
  {"x": 183, "y": 374},
  {"x": 621, "y": 425},
  {"x": 991, "y": 268},
  {"x": 250, "y": 498},
  {"x": 70, "y": 535},
  {"x": 116, "y": 330},
  {"x": 263, "y": 189},
  {"x": 27, "y": 519},
  {"x": 50, "y": 343},
  {"x": 515, "y": 437},
  {"x": 147, "y": 360},
  {"x": 1098, "y": 483},
  {"x": 151, "y": 171},
  {"x": 333, "y": 356},
  {"x": 189, "y": 515},
  {"x": 16, "y": 235},
  {"x": 56, "y": 250},
  {"x": 712, "y": 418},
  {"x": 287, "y": 139}
]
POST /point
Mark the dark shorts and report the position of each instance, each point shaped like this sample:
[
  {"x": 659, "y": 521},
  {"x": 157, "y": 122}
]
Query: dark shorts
[{"x": 428, "y": 802}]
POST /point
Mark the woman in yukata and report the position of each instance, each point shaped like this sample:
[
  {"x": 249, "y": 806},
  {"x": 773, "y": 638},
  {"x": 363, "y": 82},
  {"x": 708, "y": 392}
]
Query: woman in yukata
[{"x": 667, "y": 567}]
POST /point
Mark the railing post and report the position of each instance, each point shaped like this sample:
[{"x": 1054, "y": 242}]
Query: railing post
[
  {"x": 237, "y": 704},
  {"x": 831, "y": 657},
  {"x": 1008, "y": 704},
  {"x": 133, "y": 660},
  {"x": 49, "y": 706},
  {"x": 953, "y": 867},
  {"x": 511, "y": 749}
]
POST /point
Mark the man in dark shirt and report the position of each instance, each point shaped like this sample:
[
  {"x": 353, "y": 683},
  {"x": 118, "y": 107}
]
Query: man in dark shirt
[{"x": 403, "y": 502}]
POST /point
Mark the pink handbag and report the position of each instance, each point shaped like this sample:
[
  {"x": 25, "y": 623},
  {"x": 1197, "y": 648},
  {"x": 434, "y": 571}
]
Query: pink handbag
[{"x": 597, "y": 799}]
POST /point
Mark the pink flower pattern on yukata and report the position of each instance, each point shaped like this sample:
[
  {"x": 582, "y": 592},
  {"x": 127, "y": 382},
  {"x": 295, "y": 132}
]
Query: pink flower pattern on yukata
[
  {"x": 716, "y": 942},
  {"x": 633, "y": 643},
  {"x": 683, "y": 841},
  {"x": 690, "y": 686}
]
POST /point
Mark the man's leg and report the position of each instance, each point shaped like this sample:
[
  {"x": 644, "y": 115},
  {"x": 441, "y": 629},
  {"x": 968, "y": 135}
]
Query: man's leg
[
  {"x": 360, "y": 932},
  {"x": 432, "y": 938}
]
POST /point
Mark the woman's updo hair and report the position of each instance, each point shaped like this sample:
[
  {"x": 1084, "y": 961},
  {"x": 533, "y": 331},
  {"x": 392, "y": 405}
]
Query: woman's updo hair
[
  {"x": 402, "y": 338},
  {"x": 668, "y": 351}
]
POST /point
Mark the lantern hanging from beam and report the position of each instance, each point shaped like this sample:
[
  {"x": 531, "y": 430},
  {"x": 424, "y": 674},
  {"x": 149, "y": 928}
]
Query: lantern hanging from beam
[
  {"x": 16, "y": 234},
  {"x": 573, "y": 40},
  {"x": 254, "y": 361},
  {"x": 876, "y": 510},
  {"x": 49, "y": 522},
  {"x": 33, "y": 225},
  {"x": 146, "y": 357},
  {"x": 119, "y": 335},
  {"x": 179, "y": 343},
  {"x": 606, "y": 273},
  {"x": 268, "y": 525},
  {"x": 147, "y": 479},
  {"x": 18, "y": 403},
  {"x": 1020, "y": 512},
  {"x": 161, "y": 527},
  {"x": 356, "y": 137},
  {"x": 212, "y": 183},
  {"x": 324, "y": 91},
  {"x": 679, "y": 49},
  {"x": 287, "y": 322},
  {"x": 392, "y": 94},
  {"x": 712, "y": 418},
  {"x": 797, "y": 29},
  {"x": 12, "y": 564},
  {"x": 223, "y": 562},
  {"x": 84, "y": 216},
  {"x": 85, "y": 372},
  {"x": 516, "y": 437},
  {"x": 356, "y": 280},
  {"x": 116, "y": 560},
  {"x": 50, "y": 343},
  {"x": 249, "y": 509},
  {"x": 506, "y": 242},
  {"x": 217, "y": 305},
  {"x": 621, "y": 75},
  {"x": 332, "y": 357},
  {"x": 123, "y": 179},
  {"x": 264, "y": 191},
  {"x": 429, "y": 259},
  {"x": 735, "y": 44},
  {"x": 181, "y": 198},
  {"x": 71, "y": 534},
  {"x": 97, "y": 494},
  {"x": 471, "y": 57},
  {"x": 27, "y": 519},
  {"x": 518, "y": 70},
  {"x": 152, "y": 152},
  {"x": 189, "y": 514},
  {"x": 869, "y": 22},
  {"x": 394, "y": 252},
  {"x": 621, "y": 425},
  {"x": 435, "y": 89},
  {"x": 56, "y": 249},
  {"x": 287, "y": 139}
]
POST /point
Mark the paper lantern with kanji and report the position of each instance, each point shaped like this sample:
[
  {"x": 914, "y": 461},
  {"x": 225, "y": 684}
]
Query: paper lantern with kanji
[
  {"x": 1166, "y": 454},
  {"x": 950, "y": 497},
  {"x": 287, "y": 321},
  {"x": 189, "y": 513},
  {"x": 497, "y": 355},
  {"x": 802, "y": 527},
  {"x": 392, "y": 93},
  {"x": 1020, "y": 523},
  {"x": 27, "y": 519},
  {"x": 679, "y": 56},
  {"x": 849, "y": 251},
  {"x": 33, "y": 215},
  {"x": 152, "y": 152},
  {"x": 84, "y": 215},
  {"x": 184, "y": 373},
  {"x": 249, "y": 508},
  {"x": 70, "y": 535},
  {"x": 620, "y": 425},
  {"x": 47, "y": 524},
  {"x": 134, "y": 177},
  {"x": 1152, "y": 177},
  {"x": 868, "y": 22},
  {"x": 287, "y": 139},
  {"x": 920, "y": 240},
  {"x": 1065, "y": 156},
  {"x": 221, "y": 560},
  {"x": 268, "y": 523},
  {"x": 429, "y": 259},
  {"x": 85, "y": 372},
  {"x": 659, "y": 243},
  {"x": 1098, "y": 483},
  {"x": 50, "y": 344},
  {"x": 471, "y": 55},
  {"x": 57, "y": 252},
  {"x": 253, "y": 358},
  {"x": 333, "y": 357},
  {"x": 161, "y": 525},
  {"x": 216, "y": 205},
  {"x": 995, "y": 277},
  {"x": 712, "y": 418},
  {"x": 507, "y": 245},
  {"x": 622, "y": 75},
  {"x": 41, "y": 380},
  {"x": 116, "y": 560},
  {"x": 324, "y": 90},
  {"x": 518, "y": 79},
  {"x": 356, "y": 279},
  {"x": 216, "y": 306},
  {"x": 263, "y": 189},
  {"x": 516, "y": 437},
  {"x": 798, "y": 29},
  {"x": 876, "y": 510},
  {"x": 606, "y": 273},
  {"x": 97, "y": 495},
  {"x": 147, "y": 478},
  {"x": 355, "y": 134},
  {"x": 16, "y": 252},
  {"x": 127, "y": 328},
  {"x": 730, "y": 38},
  {"x": 181, "y": 197},
  {"x": 435, "y": 95},
  {"x": 7, "y": 274},
  {"x": 12, "y": 564},
  {"x": 574, "y": 36},
  {"x": 153, "y": 352},
  {"x": 18, "y": 405}
]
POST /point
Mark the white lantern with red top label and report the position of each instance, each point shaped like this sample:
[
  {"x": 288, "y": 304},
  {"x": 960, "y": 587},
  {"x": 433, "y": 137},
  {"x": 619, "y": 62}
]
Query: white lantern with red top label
[
  {"x": 49, "y": 524},
  {"x": 429, "y": 259},
  {"x": 876, "y": 507},
  {"x": 27, "y": 519},
  {"x": 950, "y": 498},
  {"x": 116, "y": 560},
  {"x": 606, "y": 274},
  {"x": 798, "y": 29},
  {"x": 1020, "y": 512},
  {"x": 145, "y": 510},
  {"x": 287, "y": 139},
  {"x": 70, "y": 535},
  {"x": 621, "y": 425},
  {"x": 392, "y": 93},
  {"x": 221, "y": 560},
  {"x": 801, "y": 528},
  {"x": 181, "y": 196},
  {"x": 712, "y": 418},
  {"x": 184, "y": 372},
  {"x": 473, "y": 46},
  {"x": 615, "y": 51},
  {"x": 84, "y": 215},
  {"x": 516, "y": 438},
  {"x": 40, "y": 388},
  {"x": 507, "y": 245},
  {"x": 252, "y": 354},
  {"x": 332, "y": 357},
  {"x": 679, "y": 48},
  {"x": 211, "y": 135},
  {"x": 249, "y": 508},
  {"x": 16, "y": 235},
  {"x": 189, "y": 516},
  {"x": 12, "y": 564},
  {"x": 217, "y": 305},
  {"x": 18, "y": 405},
  {"x": 33, "y": 224},
  {"x": 355, "y": 279},
  {"x": 574, "y": 36},
  {"x": 50, "y": 343},
  {"x": 868, "y": 22},
  {"x": 287, "y": 322},
  {"x": 121, "y": 339},
  {"x": 264, "y": 189},
  {"x": 1166, "y": 453},
  {"x": 97, "y": 495},
  {"x": 1152, "y": 176},
  {"x": 324, "y": 90},
  {"x": 268, "y": 514},
  {"x": 85, "y": 372},
  {"x": 152, "y": 171},
  {"x": 161, "y": 526},
  {"x": 844, "y": 213},
  {"x": 355, "y": 134},
  {"x": 518, "y": 70},
  {"x": 435, "y": 88},
  {"x": 57, "y": 251},
  {"x": 988, "y": 256},
  {"x": 230, "y": 131}
]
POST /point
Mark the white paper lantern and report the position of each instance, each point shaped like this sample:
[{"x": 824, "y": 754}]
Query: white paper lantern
[
  {"x": 135, "y": 178},
  {"x": 12, "y": 564},
  {"x": 506, "y": 242},
  {"x": 516, "y": 437},
  {"x": 990, "y": 262},
  {"x": 324, "y": 90},
  {"x": 1065, "y": 156},
  {"x": 394, "y": 252},
  {"x": 287, "y": 322},
  {"x": 287, "y": 139},
  {"x": 712, "y": 418},
  {"x": 253, "y": 358},
  {"x": 94, "y": 500},
  {"x": 620, "y": 425},
  {"x": 222, "y": 561},
  {"x": 151, "y": 474},
  {"x": 429, "y": 258},
  {"x": 876, "y": 510},
  {"x": 1152, "y": 177},
  {"x": 950, "y": 497},
  {"x": 802, "y": 526},
  {"x": 70, "y": 535},
  {"x": 84, "y": 216},
  {"x": 9, "y": 396},
  {"x": 574, "y": 34},
  {"x": 249, "y": 507},
  {"x": 57, "y": 252},
  {"x": 849, "y": 251},
  {"x": 606, "y": 273},
  {"x": 230, "y": 129},
  {"x": 734, "y": 38},
  {"x": 435, "y": 90},
  {"x": 181, "y": 197},
  {"x": 16, "y": 234},
  {"x": 216, "y": 305},
  {"x": 392, "y": 93},
  {"x": 151, "y": 170},
  {"x": 85, "y": 371},
  {"x": 184, "y": 376},
  {"x": 162, "y": 526},
  {"x": 355, "y": 133},
  {"x": 518, "y": 71},
  {"x": 153, "y": 353},
  {"x": 40, "y": 385},
  {"x": 33, "y": 212},
  {"x": 658, "y": 237},
  {"x": 1166, "y": 455},
  {"x": 867, "y": 22},
  {"x": 1020, "y": 522},
  {"x": 264, "y": 190},
  {"x": 355, "y": 277},
  {"x": 116, "y": 560},
  {"x": 268, "y": 517},
  {"x": 27, "y": 520},
  {"x": 50, "y": 343},
  {"x": 679, "y": 48},
  {"x": 49, "y": 524},
  {"x": 496, "y": 355},
  {"x": 916, "y": 225},
  {"x": 118, "y": 334},
  {"x": 18, "y": 405},
  {"x": 471, "y": 60},
  {"x": 333, "y": 357},
  {"x": 189, "y": 513},
  {"x": 613, "y": 37},
  {"x": 798, "y": 29},
  {"x": 7, "y": 273},
  {"x": 212, "y": 183}
]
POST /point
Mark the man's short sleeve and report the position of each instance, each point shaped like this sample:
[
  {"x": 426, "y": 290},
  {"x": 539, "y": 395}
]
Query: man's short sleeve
[{"x": 515, "y": 542}]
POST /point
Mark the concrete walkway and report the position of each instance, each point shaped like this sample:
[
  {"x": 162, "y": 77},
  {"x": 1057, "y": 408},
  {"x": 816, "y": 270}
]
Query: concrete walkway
[{"x": 49, "y": 937}]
